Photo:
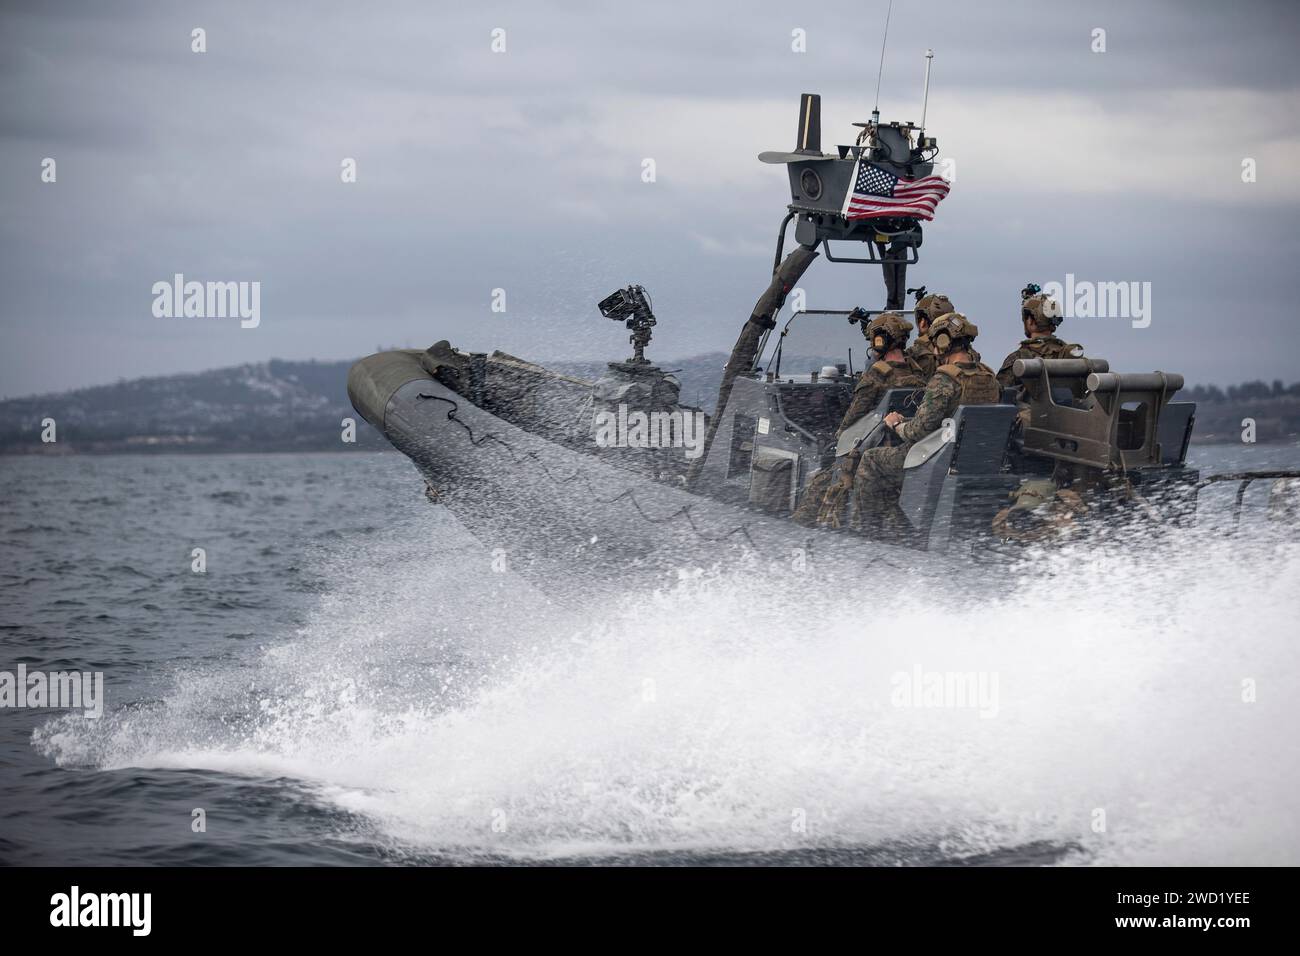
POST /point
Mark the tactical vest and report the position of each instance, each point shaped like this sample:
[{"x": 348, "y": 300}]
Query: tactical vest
[
  {"x": 979, "y": 386},
  {"x": 896, "y": 374},
  {"x": 875, "y": 381},
  {"x": 1051, "y": 348},
  {"x": 922, "y": 356}
]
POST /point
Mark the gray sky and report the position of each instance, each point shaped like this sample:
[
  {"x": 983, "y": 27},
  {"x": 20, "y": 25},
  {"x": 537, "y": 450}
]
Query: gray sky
[{"x": 522, "y": 170}]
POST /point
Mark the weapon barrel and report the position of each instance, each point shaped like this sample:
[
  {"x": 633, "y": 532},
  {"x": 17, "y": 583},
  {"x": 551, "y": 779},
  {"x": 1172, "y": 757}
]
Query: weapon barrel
[
  {"x": 1134, "y": 381},
  {"x": 1058, "y": 368}
]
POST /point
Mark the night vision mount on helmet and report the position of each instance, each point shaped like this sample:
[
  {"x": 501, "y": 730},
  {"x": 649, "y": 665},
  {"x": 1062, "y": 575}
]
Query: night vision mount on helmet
[{"x": 1042, "y": 310}]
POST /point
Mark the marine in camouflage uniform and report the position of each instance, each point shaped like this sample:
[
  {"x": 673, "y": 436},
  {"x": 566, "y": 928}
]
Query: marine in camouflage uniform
[
  {"x": 887, "y": 334},
  {"x": 928, "y": 308},
  {"x": 957, "y": 381},
  {"x": 1041, "y": 317},
  {"x": 823, "y": 500},
  {"x": 1039, "y": 509}
]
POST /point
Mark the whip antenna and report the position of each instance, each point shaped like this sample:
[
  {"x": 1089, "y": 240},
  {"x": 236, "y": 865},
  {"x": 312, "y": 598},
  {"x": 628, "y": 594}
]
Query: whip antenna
[
  {"x": 925, "y": 97},
  {"x": 875, "y": 113}
]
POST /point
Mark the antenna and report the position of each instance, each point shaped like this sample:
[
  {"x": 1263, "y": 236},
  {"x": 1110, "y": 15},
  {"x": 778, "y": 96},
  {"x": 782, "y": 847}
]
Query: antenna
[
  {"x": 875, "y": 113},
  {"x": 925, "y": 98}
]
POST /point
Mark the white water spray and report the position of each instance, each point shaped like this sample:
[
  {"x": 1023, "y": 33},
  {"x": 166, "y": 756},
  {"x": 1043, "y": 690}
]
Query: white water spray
[{"x": 726, "y": 715}]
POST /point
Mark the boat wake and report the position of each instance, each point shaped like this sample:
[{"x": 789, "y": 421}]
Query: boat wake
[{"x": 1114, "y": 702}]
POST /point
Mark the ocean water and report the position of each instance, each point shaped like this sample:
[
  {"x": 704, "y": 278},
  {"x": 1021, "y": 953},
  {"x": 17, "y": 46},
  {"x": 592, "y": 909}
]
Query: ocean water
[{"x": 349, "y": 682}]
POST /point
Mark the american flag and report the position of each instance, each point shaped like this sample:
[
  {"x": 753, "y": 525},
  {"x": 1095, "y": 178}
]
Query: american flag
[{"x": 877, "y": 193}]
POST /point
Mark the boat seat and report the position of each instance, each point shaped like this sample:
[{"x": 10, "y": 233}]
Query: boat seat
[
  {"x": 982, "y": 433},
  {"x": 1174, "y": 431}
]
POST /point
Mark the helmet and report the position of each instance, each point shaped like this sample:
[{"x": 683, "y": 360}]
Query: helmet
[
  {"x": 887, "y": 330},
  {"x": 1042, "y": 310},
  {"x": 932, "y": 306},
  {"x": 947, "y": 332}
]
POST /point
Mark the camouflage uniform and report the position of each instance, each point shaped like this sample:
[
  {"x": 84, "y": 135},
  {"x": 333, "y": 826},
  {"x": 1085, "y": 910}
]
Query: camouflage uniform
[
  {"x": 928, "y": 308},
  {"x": 1043, "y": 311},
  {"x": 1040, "y": 509},
  {"x": 824, "y": 498},
  {"x": 922, "y": 355},
  {"x": 879, "y": 477},
  {"x": 1041, "y": 346},
  {"x": 875, "y": 381}
]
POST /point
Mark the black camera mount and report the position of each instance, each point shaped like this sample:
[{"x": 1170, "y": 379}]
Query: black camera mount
[{"x": 631, "y": 306}]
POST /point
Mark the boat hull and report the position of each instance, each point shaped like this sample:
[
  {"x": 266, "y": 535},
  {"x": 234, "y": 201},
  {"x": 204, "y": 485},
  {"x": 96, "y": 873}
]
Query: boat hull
[{"x": 571, "y": 520}]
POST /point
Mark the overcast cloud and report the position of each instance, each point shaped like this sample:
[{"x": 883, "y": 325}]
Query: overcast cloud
[{"x": 522, "y": 171}]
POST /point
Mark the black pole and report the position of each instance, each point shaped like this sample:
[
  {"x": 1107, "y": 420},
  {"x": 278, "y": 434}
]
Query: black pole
[{"x": 761, "y": 320}]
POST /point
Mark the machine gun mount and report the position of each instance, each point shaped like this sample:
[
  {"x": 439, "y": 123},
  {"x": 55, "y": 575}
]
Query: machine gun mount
[{"x": 632, "y": 306}]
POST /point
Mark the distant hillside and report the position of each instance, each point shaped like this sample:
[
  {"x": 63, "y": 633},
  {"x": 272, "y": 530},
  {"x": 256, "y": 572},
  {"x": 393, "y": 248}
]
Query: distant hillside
[
  {"x": 1275, "y": 410},
  {"x": 270, "y": 406},
  {"x": 281, "y": 406}
]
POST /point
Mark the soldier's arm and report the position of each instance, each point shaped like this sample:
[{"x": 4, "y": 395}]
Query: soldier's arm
[
  {"x": 1005, "y": 375},
  {"x": 938, "y": 398},
  {"x": 866, "y": 396}
]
